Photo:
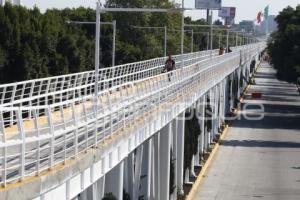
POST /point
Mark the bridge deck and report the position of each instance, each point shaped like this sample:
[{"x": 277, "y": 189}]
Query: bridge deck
[
  {"x": 52, "y": 134},
  {"x": 260, "y": 159}
]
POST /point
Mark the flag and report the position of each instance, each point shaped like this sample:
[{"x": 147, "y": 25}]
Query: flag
[
  {"x": 259, "y": 16},
  {"x": 266, "y": 12}
]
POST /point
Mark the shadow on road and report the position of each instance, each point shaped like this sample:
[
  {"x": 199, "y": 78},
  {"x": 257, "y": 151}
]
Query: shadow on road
[{"x": 260, "y": 143}]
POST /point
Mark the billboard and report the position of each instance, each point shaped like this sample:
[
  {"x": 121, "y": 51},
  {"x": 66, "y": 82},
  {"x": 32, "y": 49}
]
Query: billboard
[
  {"x": 227, "y": 12},
  {"x": 208, "y": 4}
]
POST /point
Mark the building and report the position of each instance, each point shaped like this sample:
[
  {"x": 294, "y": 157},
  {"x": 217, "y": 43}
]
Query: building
[
  {"x": 247, "y": 25},
  {"x": 272, "y": 24}
]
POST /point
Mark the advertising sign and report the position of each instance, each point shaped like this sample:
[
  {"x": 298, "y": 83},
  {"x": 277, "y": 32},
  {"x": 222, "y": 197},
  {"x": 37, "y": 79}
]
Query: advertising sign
[
  {"x": 208, "y": 4},
  {"x": 227, "y": 12}
]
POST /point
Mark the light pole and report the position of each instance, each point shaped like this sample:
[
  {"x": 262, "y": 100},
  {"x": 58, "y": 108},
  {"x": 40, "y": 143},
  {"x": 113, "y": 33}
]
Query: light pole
[
  {"x": 207, "y": 41},
  {"x": 157, "y": 27},
  {"x": 192, "y": 41},
  {"x": 182, "y": 34},
  {"x": 97, "y": 64},
  {"x": 227, "y": 40},
  {"x": 166, "y": 38},
  {"x": 114, "y": 23}
]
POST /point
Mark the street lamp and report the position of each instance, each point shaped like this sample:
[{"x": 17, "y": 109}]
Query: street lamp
[
  {"x": 157, "y": 27},
  {"x": 182, "y": 34}
]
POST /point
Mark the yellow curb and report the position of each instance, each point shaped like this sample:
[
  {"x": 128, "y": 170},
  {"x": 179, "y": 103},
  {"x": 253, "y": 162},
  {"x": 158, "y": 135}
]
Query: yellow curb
[
  {"x": 206, "y": 166},
  {"x": 212, "y": 155},
  {"x": 244, "y": 93}
]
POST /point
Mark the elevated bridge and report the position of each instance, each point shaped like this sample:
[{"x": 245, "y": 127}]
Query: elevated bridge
[{"x": 58, "y": 140}]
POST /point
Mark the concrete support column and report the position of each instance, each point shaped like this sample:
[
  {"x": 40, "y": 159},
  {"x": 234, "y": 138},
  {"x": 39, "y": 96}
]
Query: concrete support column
[
  {"x": 201, "y": 120},
  {"x": 146, "y": 170},
  {"x": 206, "y": 134},
  {"x": 165, "y": 146},
  {"x": 199, "y": 147},
  {"x": 239, "y": 85},
  {"x": 128, "y": 174},
  {"x": 231, "y": 91},
  {"x": 180, "y": 151},
  {"x": 212, "y": 105},
  {"x": 226, "y": 95},
  {"x": 174, "y": 151},
  {"x": 221, "y": 103},
  {"x": 217, "y": 110},
  {"x": 114, "y": 181},
  {"x": 224, "y": 99},
  {"x": 137, "y": 171},
  {"x": 156, "y": 163},
  {"x": 99, "y": 188},
  {"x": 83, "y": 195}
]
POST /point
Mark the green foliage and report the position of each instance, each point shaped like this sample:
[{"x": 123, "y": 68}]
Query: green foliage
[
  {"x": 172, "y": 173},
  {"x": 235, "y": 86},
  {"x": 252, "y": 66},
  {"x": 191, "y": 133},
  {"x": 109, "y": 196},
  {"x": 36, "y": 45},
  {"x": 284, "y": 45},
  {"x": 126, "y": 195}
]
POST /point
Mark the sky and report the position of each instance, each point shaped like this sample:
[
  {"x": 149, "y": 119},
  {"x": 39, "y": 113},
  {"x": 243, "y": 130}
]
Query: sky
[{"x": 246, "y": 9}]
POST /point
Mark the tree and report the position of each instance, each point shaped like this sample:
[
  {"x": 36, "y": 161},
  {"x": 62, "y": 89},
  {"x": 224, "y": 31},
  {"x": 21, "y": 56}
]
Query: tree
[
  {"x": 284, "y": 45},
  {"x": 35, "y": 44},
  {"x": 109, "y": 196}
]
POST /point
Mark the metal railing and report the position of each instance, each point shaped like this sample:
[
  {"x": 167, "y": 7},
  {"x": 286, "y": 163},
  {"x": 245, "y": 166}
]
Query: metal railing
[
  {"x": 37, "y": 136},
  {"x": 21, "y": 93}
]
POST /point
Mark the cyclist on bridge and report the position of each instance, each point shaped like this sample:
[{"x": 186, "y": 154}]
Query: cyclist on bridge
[{"x": 169, "y": 66}]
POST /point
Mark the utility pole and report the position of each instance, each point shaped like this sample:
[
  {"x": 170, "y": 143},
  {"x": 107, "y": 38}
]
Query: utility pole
[
  {"x": 114, "y": 43},
  {"x": 192, "y": 41},
  {"x": 182, "y": 34},
  {"x": 166, "y": 38},
  {"x": 97, "y": 62},
  {"x": 207, "y": 15},
  {"x": 211, "y": 34},
  {"x": 227, "y": 40},
  {"x": 207, "y": 41}
]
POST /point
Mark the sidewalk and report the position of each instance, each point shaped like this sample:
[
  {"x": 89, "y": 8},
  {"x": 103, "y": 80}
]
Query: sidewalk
[{"x": 259, "y": 159}]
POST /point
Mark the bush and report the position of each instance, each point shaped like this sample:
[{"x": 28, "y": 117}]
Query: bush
[{"x": 109, "y": 196}]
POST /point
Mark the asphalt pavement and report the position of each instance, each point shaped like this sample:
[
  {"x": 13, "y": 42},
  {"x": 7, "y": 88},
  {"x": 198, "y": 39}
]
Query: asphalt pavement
[{"x": 259, "y": 159}]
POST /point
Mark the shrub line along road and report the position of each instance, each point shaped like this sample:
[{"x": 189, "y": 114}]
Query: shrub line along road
[{"x": 259, "y": 159}]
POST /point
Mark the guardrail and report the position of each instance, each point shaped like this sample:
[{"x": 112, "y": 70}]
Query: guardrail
[
  {"x": 31, "y": 92},
  {"x": 65, "y": 128}
]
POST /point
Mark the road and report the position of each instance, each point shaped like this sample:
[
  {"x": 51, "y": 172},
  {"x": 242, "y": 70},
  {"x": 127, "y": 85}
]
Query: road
[{"x": 259, "y": 159}]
